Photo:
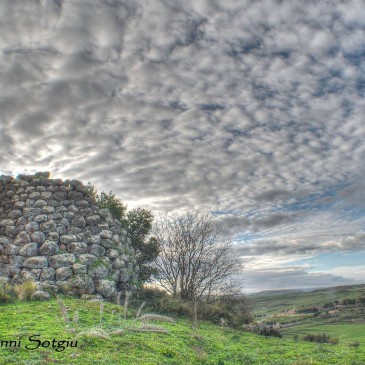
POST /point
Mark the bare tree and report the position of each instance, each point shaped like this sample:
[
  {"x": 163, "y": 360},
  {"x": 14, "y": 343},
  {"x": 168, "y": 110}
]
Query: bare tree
[{"x": 195, "y": 259}]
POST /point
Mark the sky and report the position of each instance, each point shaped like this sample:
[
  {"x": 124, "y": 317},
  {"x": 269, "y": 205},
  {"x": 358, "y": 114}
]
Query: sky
[{"x": 252, "y": 110}]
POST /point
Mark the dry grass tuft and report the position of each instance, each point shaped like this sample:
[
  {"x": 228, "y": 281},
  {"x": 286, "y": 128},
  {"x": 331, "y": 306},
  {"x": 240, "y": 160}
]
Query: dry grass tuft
[
  {"x": 201, "y": 354},
  {"x": 64, "y": 311},
  {"x": 118, "y": 332},
  {"x": 155, "y": 317},
  {"x": 126, "y": 303},
  {"x": 95, "y": 333},
  {"x": 149, "y": 328},
  {"x": 140, "y": 310},
  {"x": 25, "y": 290}
]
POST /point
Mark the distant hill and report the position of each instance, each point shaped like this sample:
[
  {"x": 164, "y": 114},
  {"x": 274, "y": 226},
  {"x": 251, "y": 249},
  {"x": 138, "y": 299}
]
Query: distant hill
[
  {"x": 271, "y": 301},
  {"x": 306, "y": 290}
]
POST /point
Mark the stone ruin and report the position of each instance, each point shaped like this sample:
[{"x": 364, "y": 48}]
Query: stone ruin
[{"x": 52, "y": 232}]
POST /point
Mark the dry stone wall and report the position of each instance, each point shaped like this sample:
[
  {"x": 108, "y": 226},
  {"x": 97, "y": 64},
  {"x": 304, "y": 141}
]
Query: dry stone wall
[{"x": 52, "y": 232}]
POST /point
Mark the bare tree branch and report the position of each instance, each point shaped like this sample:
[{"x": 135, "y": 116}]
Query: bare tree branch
[{"x": 195, "y": 261}]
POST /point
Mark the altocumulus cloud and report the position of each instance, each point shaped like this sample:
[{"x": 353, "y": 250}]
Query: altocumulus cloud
[{"x": 251, "y": 109}]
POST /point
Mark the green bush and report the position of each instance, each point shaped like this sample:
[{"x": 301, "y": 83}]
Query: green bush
[
  {"x": 329, "y": 305},
  {"x": 159, "y": 301},
  {"x": 149, "y": 293},
  {"x": 235, "y": 310},
  {"x": 354, "y": 344},
  {"x": 263, "y": 329},
  {"x": 334, "y": 340},
  {"x": 348, "y": 301},
  {"x": 269, "y": 331},
  {"x": 321, "y": 338},
  {"x": 6, "y": 291},
  {"x": 174, "y": 306}
]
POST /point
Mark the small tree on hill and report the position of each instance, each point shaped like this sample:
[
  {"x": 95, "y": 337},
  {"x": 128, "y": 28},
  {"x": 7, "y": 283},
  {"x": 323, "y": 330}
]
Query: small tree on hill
[
  {"x": 108, "y": 201},
  {"x": 138, "y": 224},
  {"x": 195, "y": 261}
]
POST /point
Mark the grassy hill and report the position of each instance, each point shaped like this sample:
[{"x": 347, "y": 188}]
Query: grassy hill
[
  {"x": 347, "y": 322},
  {"x": 275, "y": 301},
  {"x": 104, "y": 337}
]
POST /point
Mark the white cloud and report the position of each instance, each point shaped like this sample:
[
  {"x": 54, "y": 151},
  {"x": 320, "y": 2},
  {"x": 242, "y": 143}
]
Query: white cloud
[
  {"x": 353, "y": 272},
  {"x": 250, "y": 108}
]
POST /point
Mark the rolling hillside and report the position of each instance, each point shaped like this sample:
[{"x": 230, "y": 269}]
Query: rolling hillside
[
  {"x": 329, "y": 310},
  {"x": 104, "y": 336}
]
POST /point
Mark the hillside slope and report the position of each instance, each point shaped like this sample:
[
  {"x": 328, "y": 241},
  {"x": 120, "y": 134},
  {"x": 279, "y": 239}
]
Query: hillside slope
[{"x": 160, "y": 343}]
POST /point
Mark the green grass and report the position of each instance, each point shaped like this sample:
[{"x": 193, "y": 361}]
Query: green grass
[
  {"x": 210, "y": 344},
  {"x": 347, "y": 324},
  {"x": 345, "y": 331}
]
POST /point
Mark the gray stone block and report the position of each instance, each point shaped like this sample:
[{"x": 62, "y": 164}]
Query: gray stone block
[
  {"x": 65, "y": 259},
  {"x": 36, "y": 262}
]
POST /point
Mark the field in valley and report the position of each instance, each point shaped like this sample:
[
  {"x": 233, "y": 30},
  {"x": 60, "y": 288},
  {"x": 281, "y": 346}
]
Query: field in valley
[{"x": 347, "y": 322}]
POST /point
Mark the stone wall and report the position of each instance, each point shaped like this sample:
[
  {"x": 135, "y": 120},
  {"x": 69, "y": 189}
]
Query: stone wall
[{"x": 51, "y": 231}]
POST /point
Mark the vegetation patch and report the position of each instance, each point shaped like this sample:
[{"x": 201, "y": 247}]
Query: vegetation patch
[
  {"x": 6, "y": 291},
  {"x": 321, "y": 338}
]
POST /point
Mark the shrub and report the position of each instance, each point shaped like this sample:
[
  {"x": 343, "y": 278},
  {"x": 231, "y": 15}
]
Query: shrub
[
  {"x": 269, "y": 331},
  {"x": 235, "y": 310},
  {"x": 334, "y": 341},
  {"x": 354, "y": 344},
  {"x": 25, "y": 290},
  {"x": 321, "y": 338},
  {"x": 329, "y": 305},
  {"x": 6, "y": 291},
  {"x": 348, "y": 301},
  {"x": 158, "y": 301},
  {"x": 263, "y": 329},
  {"x": 174, "y": 306},
  {"x": 148, "y": 294}
]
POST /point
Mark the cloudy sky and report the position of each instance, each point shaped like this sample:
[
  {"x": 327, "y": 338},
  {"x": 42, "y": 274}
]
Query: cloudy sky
[{"x": 253, "y": 110}]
